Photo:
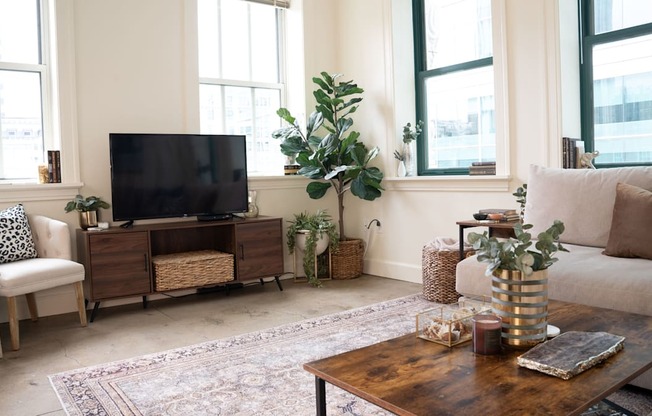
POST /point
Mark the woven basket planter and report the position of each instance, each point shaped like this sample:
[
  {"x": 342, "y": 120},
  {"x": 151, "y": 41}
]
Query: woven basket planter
[
  {"x": 347, "y": 260},
  {"x": 438, "y": 273},
  {"x": 192, "y": 269}
]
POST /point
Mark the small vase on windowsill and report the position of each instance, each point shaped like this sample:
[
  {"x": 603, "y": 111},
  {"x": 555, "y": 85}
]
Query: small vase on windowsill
[{"x": 402, "y": 170}]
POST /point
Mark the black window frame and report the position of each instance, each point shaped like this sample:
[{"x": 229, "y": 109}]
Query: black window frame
[{"x": 588, "y": 39}]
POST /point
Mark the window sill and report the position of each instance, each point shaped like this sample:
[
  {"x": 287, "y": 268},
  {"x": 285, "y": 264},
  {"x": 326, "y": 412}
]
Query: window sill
[
  {"x": 17, "y": 193},
  {"x": 461, "y": 183}
]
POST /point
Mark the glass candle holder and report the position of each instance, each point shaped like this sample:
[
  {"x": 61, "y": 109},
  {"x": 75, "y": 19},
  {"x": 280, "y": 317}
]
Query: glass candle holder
[{"x": 486, "y": 334}]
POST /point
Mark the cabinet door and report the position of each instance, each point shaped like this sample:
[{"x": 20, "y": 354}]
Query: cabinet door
[
  {"x": 259, "y": 249},
  {"x": 119, "y": 265}
]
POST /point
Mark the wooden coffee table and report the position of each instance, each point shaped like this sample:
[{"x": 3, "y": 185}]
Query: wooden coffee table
[{"x": 411, "y": 376}]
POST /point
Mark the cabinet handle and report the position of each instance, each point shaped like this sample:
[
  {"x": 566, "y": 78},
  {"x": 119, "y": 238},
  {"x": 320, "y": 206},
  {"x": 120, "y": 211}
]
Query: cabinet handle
[
  {"x": 146, "y": 263},
  {"x": 241, "y": 251}
]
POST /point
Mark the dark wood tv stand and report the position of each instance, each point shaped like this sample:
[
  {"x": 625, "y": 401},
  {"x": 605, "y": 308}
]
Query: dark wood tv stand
[{"x": 118, "y": 261}]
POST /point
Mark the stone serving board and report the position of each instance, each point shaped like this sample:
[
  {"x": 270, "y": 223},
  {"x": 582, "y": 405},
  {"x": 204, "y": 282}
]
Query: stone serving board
[{"x": 571, "y": 353}]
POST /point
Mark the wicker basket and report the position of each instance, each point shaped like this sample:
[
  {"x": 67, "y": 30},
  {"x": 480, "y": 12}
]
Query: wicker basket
[
  {"x": 191, "y": 269},
  {"x": 439, "y": 274},
  {"x": 347, "y": 260}
]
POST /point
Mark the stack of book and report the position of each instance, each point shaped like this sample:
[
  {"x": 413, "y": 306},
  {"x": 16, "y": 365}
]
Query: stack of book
[
  {"x": 504, "y": 214},
  {"x": 482, "y": 168},
  {"x": 54, "y": 166},
  {"x": 572, "y": 149}
]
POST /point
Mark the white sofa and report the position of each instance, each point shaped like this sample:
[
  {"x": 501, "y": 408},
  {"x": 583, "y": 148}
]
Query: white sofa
[{"x": 587, "y": 201}]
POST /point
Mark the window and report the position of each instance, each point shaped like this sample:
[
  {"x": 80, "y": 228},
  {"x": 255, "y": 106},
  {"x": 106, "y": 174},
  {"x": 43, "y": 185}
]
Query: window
[
  {"x": 241, "y": 75},
  {"x": 616, "y": 72},
  {"x": 455, "y": 84},
  {"x": 24, "y": 74}
]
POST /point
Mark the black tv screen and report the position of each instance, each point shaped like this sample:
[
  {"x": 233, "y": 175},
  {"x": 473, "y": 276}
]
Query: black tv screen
[{"x": 177, "y": 175}]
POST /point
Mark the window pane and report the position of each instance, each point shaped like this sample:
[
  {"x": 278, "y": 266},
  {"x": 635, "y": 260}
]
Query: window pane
[
  {"x": 612, "y": 15},
  {"x": 248, "y": 111},
  {"x": 622, "y": 82},
  {"x": 21, "y": 125},
  {"x": 238, "y": 40},
  {"x": 457, "y": 31},
  {"x": 460, "y": 113},
  {"x": 19, "y": 31}
]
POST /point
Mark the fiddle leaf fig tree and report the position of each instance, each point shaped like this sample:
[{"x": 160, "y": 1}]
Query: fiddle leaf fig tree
[{"x": 329, "y": 151}]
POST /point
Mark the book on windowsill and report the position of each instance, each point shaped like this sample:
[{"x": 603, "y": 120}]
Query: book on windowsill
[
  {"x": 482, "y": 169},
  {"x": 483, "y": 164}
]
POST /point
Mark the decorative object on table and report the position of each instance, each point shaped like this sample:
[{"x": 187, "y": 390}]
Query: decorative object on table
[
  {"x": 252, "y": 205},
  {"x": 438, "y": 261},
  {"x": 479, "y": 216},
  {"x": 571, "y": 353},
  {"x": 500, "y": 214},
  {"x": 451, "y": 324},
  {"x": 521, "y": 198},
  {"x": 519, "y": 280},
  {"x": 486, "y": 334},
  {"x": 407, "y": 155},
  {"x": 87, "y": 208},
  {"x": 482, "y": 168},
  {"x": 337, "y": 160},
  {"x": 311, "y": 234}
]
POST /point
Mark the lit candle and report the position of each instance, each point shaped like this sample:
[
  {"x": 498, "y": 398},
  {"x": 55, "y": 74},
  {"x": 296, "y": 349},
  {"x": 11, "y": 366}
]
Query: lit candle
[{"x": 486, "y": 334}]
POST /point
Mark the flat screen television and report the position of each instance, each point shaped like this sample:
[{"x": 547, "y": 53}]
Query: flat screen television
[{"x": 177, "y": 175}]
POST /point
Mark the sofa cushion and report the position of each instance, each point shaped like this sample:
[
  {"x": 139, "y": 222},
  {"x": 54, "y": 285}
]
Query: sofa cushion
[
  {"x": 16, "y": 242},
  {"x": 584, "y": 275},
  {"x": 582, "y": 198},
  {"x": 631, "y": 225}
]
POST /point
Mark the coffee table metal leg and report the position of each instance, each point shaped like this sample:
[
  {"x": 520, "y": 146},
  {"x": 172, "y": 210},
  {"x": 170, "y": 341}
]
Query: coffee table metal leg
[{"x": 320, "y": 390}]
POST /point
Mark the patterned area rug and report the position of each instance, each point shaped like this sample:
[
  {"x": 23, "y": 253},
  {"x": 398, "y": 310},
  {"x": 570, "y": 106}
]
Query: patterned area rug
[{"x": 258, "y": 373}]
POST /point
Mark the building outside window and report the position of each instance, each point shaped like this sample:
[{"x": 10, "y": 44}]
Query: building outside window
[
  {"x": 616, "y": 70},
  {"x": 455, "y": 84},
  {"x": 25, "y": 134},
  {"x": 241, "y": 75}
]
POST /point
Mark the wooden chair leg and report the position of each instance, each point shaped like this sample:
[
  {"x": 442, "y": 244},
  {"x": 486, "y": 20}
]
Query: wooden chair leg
[
  {"x": 31, "y": 305},
  {"x": 13, "y": 322},
  {"x": 81, "y": 304}
]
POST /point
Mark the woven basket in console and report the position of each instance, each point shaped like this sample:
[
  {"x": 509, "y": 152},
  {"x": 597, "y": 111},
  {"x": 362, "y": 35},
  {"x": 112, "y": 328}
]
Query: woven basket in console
[
  {"x": 439, "y": 274},
  {"x": 192, "y": 269}
]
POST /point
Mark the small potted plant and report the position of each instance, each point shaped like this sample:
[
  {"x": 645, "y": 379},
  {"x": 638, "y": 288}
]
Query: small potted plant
[
  {"x": 312, "y": 234},
  {"x": 406, "y": 157},
  {"x": 87, "y": 208},
  {"x": 519, "y": 280}
]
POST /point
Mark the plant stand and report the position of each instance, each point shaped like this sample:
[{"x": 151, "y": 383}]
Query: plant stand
[{"x": 323, "y": 266}]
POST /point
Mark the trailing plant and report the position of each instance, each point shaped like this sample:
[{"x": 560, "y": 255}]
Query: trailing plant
[
  {"x": 81, "y": 204},
  {"x": 514, "y": 253},
  {"x": 314, "y": 226},
  {"x": 521, "y": 198},
  {"x": 329, "y": 151}
]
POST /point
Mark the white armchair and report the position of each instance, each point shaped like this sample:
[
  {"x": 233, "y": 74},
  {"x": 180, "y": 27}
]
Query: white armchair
[{"x": 53, "y": 267}]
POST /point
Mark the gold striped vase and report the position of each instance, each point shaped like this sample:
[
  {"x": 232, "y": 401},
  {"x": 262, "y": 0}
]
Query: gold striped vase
[{"x": 522, "y": 304}]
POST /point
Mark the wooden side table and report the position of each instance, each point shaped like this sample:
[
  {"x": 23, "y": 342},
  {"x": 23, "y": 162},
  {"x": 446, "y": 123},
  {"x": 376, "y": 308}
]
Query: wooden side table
[{"x": 503, "y": 229}]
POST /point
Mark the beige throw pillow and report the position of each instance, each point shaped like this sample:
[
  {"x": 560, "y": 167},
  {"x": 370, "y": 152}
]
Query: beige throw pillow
[{"x": 631, "y": 225}]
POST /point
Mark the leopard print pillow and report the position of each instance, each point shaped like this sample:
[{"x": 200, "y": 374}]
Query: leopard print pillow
[{"x": 16, "y": 242}]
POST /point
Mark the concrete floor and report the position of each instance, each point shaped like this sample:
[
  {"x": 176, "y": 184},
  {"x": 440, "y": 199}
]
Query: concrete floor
[{"x": 58, "y": 343}]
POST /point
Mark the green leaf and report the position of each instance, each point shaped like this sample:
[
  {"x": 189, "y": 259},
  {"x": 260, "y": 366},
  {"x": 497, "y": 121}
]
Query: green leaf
[
  {"x": 317, "y": 190},
  {"x": 284, "y": 113}
]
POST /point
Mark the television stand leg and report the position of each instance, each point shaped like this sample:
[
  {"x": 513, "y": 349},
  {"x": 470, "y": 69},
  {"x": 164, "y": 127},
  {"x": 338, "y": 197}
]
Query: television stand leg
[
  {"x": 278, "y": 283},
  {"x": 95, "y": 309},
  {"x": 144, "y": 302}
]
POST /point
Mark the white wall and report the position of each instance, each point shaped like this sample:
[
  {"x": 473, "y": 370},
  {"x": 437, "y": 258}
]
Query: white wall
[{"x": 136, "y": 72}]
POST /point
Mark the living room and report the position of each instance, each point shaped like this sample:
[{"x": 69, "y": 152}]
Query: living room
[
  {"x": 130, "y": 66},
  {"x": 134, "y": 70}
]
